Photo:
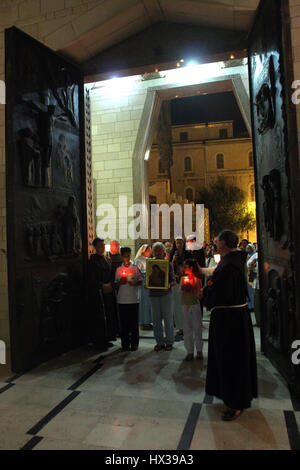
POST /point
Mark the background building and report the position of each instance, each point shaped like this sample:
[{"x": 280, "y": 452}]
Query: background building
[{"x": 201, "y": 153}]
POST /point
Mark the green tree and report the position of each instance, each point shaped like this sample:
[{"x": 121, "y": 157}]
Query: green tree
[{"x": 227, "y": 206}]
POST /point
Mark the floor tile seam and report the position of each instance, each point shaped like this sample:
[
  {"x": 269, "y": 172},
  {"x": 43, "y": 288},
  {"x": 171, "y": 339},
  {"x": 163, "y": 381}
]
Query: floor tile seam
[
  {"x": 52, "y": 414},
  {"x": 190, "y": 426},
  {"x": 6, "y": 387},
  {"x": 62, "y": 405},
  {"x": 32, "y": 443}
]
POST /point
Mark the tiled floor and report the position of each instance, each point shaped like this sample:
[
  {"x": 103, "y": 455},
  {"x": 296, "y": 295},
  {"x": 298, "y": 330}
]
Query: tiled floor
[{"x": 139, "y": 400}]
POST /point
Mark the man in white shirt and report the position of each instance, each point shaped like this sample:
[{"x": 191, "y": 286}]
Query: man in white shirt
[{"x": 128, "y": 278}]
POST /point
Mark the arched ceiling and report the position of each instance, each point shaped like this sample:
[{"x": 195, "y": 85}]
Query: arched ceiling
[{"x": 110, "y": 22}]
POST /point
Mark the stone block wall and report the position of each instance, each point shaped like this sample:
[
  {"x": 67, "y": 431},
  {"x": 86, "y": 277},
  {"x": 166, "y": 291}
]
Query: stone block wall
[{"x": 117, "y": 112}]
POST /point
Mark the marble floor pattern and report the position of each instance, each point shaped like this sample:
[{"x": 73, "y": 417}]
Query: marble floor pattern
[{"x": 142, "y": 400}]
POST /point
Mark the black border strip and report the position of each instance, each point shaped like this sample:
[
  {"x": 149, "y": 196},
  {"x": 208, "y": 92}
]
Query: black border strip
[
  {"x": 292, "y": 429},
  {"x": 189, "y": 429},
  {"x": 54, "y": 412},
  {"x": 13, "y": 378},
  {"x": 85, "y": 377},
  {"x": 7, "y": 387},
  {"x": 32, "y": 443}
]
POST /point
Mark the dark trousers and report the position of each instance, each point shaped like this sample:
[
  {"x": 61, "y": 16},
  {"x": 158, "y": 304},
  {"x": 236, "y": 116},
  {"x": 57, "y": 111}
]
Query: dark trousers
[{"x": 129, "y": 325}]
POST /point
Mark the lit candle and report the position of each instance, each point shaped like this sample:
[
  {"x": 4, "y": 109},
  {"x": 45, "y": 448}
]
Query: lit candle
[
  {"x": 217, "y": 258},
  {"x": 186, "y": 280},
  {"x": 124, "y": 274}
]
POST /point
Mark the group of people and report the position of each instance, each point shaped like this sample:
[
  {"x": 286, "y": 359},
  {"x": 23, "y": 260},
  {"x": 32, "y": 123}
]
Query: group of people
[{"x": 120, "y": 301}]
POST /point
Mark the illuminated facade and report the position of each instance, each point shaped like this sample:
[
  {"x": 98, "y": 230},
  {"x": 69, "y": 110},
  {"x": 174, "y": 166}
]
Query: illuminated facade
[{"x": 201, "y": 153}]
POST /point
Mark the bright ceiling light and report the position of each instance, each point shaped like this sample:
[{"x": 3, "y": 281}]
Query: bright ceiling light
[{"x": 192, "y": 63}]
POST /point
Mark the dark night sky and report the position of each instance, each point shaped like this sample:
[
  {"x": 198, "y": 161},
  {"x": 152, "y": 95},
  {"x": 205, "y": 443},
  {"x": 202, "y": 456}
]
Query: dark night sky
[{"x": 208, "y": 108}]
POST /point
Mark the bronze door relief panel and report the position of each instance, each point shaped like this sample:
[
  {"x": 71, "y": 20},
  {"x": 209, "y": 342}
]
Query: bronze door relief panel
[
  {"x": 46, "y": 217},
  {"x": 270, "y": 139}
]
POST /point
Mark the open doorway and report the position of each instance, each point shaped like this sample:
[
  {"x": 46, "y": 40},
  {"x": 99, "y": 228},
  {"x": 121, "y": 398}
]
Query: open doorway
[
  {"x": 127, "y": 165},
  {"x": 208, "y": 160}
]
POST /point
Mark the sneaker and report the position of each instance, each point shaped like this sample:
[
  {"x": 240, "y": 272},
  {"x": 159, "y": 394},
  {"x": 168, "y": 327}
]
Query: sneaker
[
  {"x": 189, "y": 357},
  {"x": 168, "y": 347},
  {"x": 200, "y": 355},
  {"x": 159, "y": 347}
]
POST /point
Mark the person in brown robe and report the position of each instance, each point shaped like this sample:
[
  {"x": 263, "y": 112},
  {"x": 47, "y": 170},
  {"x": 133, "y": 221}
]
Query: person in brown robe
[{"x": 231, "y": 368}]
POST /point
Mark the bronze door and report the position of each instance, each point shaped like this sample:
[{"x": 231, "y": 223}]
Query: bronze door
[
  {"x": 275, "y": 153},
  {"x": 46, "y": 201}
]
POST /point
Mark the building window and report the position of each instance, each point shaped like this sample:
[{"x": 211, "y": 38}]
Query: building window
[
  {"x": 187, "y": 164},
  {"x": 161, "y": 169},
  {"x": 183, "y": 136},
  {"x": 223, "y": 133},
  {"x": 220, "y": 161},
  {"x": 251, "y": 162},
  {"x": 252, "y": 193},
  {"x": 189, "y": 194}
]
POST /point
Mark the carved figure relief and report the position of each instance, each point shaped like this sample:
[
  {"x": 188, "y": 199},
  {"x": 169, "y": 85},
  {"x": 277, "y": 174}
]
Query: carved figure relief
[
  {"x": 265, "y": 102},
  {"x": 57, "y": 247},
  {"x": 274, "y": 310},
  {"x": 272, "y": 204},
  {"x": 64, "y": 160},
  {"x": 70, "y": 226},
  {"x": 44, "y": 240},
  {"x": 63, "y": 89},
  {"x": 265, "y": 112},
  {"x": 45, "y": 121},
  {"x": 30, "y": 155},
  {"x": 54, "y": 319}
]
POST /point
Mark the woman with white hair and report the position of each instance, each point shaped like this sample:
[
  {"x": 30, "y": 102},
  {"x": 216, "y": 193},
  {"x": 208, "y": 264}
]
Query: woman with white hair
[
  {"x": 162, "y": 306},
  {"x": 145, "y": 316}
]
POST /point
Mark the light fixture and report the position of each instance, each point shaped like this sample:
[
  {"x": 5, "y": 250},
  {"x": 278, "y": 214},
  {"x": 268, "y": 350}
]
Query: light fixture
[
  {"x": 232, "y": 56},
  {"x": 178, "y": 64},
  {"x": 192, "y": 63},
  {"x": 181, "y": 60}
]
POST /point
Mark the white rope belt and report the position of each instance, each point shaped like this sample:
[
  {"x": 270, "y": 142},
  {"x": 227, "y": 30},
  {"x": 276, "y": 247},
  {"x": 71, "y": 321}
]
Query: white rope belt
[{"x": 229, "y": 306}]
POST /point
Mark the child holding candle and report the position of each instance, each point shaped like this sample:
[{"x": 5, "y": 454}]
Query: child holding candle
[
  {"x": 191, "y": 287},
  {"x": 128, "y": 279}
]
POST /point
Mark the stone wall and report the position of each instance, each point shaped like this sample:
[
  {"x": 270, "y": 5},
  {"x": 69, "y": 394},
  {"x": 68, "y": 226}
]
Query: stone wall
[
  {"x": 54, "y": 23},
  {"x": 117, "y": 115}
]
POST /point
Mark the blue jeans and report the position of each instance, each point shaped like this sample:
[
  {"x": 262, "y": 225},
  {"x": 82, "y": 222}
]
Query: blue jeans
[{"x": 162, "y": 310}]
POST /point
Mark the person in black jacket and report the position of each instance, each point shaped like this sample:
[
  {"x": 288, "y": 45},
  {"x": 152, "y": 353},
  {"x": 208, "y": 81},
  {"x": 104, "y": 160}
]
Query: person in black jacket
[
  {"x": 194, "y": 252},
  {"x": 231, "y": 369},
  {"x": 102, "y": 300}
]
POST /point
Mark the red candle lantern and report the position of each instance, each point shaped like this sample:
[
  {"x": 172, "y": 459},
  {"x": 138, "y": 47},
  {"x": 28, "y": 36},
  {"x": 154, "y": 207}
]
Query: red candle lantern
[{"x": 186, "y": 280}]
